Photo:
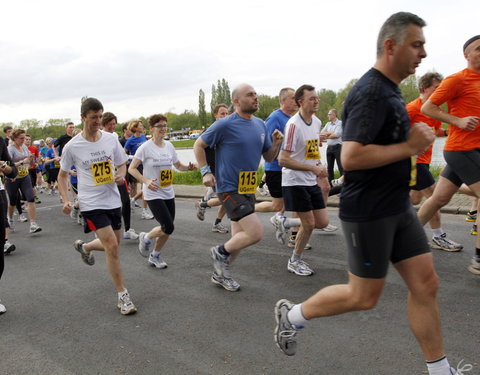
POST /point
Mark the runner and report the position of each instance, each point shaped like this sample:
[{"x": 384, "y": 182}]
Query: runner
[
  {"x": 96, "y": 154},
  {"x": 378, "y": 220},
  {"x": 32, "y": 171},
  {"x": 461, "y": 91},
  {"x": 220, "y": 111},
  {"x": 22, "y": 159},
  {"x": 425, "y": 181},
  {"x": 10, "y": 171},
  {"x": 109, "y": 122},
  {"x": 158, "y": 157},
  {"x": 240, "y": 140},
  {"x": 53, "y": 165}
]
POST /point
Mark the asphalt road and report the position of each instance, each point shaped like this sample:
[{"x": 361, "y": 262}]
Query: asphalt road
[{"x": 62, "y": 316}]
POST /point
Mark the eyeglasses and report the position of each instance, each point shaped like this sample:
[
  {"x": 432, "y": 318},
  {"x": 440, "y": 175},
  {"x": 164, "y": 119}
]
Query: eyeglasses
[{"x": 159, "y": 126}]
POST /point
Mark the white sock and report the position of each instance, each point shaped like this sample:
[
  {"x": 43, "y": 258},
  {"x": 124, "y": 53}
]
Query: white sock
[
  {"x": 439, "y": 367},
  {"x": 155, "y": 253},
  {"x": 146, "y": 238},
  {"x": 292, "y": 222},
  {"x": 295, "y": 316},
  {"x": 438, "y": 232},
  {"x": 125, "y": 291}
]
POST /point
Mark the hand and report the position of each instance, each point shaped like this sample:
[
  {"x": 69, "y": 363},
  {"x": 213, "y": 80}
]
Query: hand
[
  {"x": 420, "y": 137},
  {"x": 468, "y": 123},
  {"x": 277, "y": 137},
  {"x": 320, "y": 171},
  {"x": 67, "y": 208},
  {"x": 192, "y": 166},
  {"x": 209, "y": 180},
  {"x": 152, "y": 184}
]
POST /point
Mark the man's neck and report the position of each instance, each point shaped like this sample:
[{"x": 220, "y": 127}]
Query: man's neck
[
  {"x": 91, "y": 136},
  {"x": 307, "y": 117},
  {"x": 387, "y": 72},
  {"x": 287, "y": 112},
  {"x": 245, "y": 115}
]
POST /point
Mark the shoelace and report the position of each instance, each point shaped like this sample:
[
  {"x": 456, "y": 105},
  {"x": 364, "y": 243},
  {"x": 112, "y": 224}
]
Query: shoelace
[{"x": 464, "y": 368}]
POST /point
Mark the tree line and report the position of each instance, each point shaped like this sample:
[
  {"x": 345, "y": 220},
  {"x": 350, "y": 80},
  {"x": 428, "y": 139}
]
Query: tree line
[{"x": 220, "y": 93}]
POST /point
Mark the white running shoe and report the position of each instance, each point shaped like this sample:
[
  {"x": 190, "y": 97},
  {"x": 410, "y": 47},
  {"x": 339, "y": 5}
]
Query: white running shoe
[
  {"x": 156, "y": 261},
  {"x": 220, "y": 228},
  {"x": 281, "y": 232},
  {"x": 143, "y": 247},
  {"x": 87, "y": 257},
  {"x": 3, "y": 310},
  {"x": 130, "y": 234},
  {"x": 475, "y": 266},
  {"x": 329, "y": 228},
  {"x": 34, "y": 228},
  {"x": 227, "y": 283},
  {"x": 299, "y": 267},
  {"x": 126, "y": 305},
  {"x": 146, "y": 215},
  {"x": 445, "y": 244},
  {"x": 22, "y": 218},
  {"x": 8, "y": 247}
]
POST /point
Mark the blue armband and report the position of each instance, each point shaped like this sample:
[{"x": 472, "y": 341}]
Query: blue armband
[{"x": 204, "y": 170}]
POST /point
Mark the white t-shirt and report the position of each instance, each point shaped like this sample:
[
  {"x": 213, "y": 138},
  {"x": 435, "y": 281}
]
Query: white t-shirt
[
  {"x": 302, "y": 141},
  {"x": 158, "y": 164},
  {"x": 95, "y": 164}
]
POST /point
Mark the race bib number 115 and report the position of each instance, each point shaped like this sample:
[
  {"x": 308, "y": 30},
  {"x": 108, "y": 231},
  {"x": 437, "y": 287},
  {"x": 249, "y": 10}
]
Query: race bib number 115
[{"x": 247, "y": 182}]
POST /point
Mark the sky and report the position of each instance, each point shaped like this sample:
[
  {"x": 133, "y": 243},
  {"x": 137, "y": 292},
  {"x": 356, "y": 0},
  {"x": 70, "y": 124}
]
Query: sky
[{"x": 144, "y": 57}]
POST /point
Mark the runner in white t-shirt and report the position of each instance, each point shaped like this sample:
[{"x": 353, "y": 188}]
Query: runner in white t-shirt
[
  {"x": 158, "y": 157},
  {"x": 95, "y": 155},
  {"x": 300, "y": 158}
]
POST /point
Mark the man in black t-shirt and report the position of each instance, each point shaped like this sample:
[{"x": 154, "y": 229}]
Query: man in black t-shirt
[
  {"x": 61, "y": 141},
  {"x": 378, "y": 220}
]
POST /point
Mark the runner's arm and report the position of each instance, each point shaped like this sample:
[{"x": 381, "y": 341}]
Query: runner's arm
[
  {"x": 62, "y": 181},
  {"x": 434, "y": 111}
]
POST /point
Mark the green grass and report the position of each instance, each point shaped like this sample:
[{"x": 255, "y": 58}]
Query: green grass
[{"x": 183, "y": 143}]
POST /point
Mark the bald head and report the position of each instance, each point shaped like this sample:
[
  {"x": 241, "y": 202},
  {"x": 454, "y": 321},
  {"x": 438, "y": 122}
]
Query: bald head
[{"x": 245, "y": 100}]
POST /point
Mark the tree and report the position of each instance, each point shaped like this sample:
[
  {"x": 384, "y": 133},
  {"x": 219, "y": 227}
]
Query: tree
[
  {"x": 327, "y": 102},
  {"x": 409, "y": 88},
  {"x": 202, "y": 113},
  {"x": 342, "y": 95},
  {"x": 267, "y": 104},
  {"x": 220, "y": 95},
  {"x": 30, "y": 123}
]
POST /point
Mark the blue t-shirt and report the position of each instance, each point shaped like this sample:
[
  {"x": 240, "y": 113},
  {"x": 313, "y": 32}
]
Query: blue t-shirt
[
  {"x": 277, "y": 120},
  {"x": 133, "y": 143},
  {"x": 239, "y": 143},
  {"x": 73, "y": 179},
  {"x": 50, "y": 154},
  {"x": 375, "y": 113}
]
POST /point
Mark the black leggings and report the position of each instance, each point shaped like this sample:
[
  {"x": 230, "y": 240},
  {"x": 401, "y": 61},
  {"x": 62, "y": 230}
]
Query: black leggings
[
  {"x": 126, "y": 208},
  {"x": 3, "y": 218},
  {"x": 24, "y": 185},
  {"x": 333, "y": 154},
  {"x": 164, "y": 212}
]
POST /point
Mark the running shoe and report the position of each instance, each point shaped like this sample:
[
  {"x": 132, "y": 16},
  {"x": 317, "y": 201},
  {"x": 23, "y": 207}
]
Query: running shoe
[
  {"x": 473, "y": 231},
  {"x": 34, "y": 228},
  {"x": 291, "y": 244},
  {"x": 227, "y": 283},
  {"x": 460, "y": 370},
  {"x": 220, "y": 228},
  {"x": 156, "y": 261},
  {"x": 3, "y": 310},
  {"x": 337, "y": 182},
  {"x": 263, "y": 191},
  {"x": 11, "y": 224},
  {"x": 22, "y": 218},
  {"x": 143, "y": 247},
  {"x": 475, "y": 266},
  {"x": 200, "y": 210},
  {"x": 285, "y": 332},
  {"x": 37, "y": 200},
  {"x": 74, "y": 213},
  {"x": 130, "y": 234},
  {"x": 281, "y": 232},
  {"x": 445, "y": 244},
  {"x": 126, "y": 305},
  {"x": 299, "y": 267},
  {"x": 471, "y": 216},
  {"x": 87, "y": 257},
  {"x": 8, "y": 247},
  {"x": 329, "y": 228},
  {"x": 220, "y": 262},
  {"x": 146, "y": 215}
]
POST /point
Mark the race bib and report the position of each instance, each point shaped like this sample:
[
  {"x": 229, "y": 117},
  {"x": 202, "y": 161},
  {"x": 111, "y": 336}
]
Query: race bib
[
  {"x": 247, "y": 182},
  {"x": 413, "y": 171},
  {"x": 312, "y": 151},
  {"x": 166, "y": 178},
  {"x": 22, "y": 170},
  {"x": 102, "y": 172}
]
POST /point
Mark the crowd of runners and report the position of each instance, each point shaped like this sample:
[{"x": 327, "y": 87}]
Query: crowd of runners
[{"x": 382, "y": 149}]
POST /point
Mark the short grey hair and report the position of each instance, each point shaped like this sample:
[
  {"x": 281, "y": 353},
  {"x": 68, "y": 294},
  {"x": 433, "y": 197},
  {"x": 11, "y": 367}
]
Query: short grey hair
[
  {"x": 395, "y": 28},
  {"x": 284, "y": 94}
]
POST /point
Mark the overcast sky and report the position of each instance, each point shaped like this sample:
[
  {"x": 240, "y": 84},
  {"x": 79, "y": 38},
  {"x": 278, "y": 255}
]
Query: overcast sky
[{"x": 143, "y": 57}]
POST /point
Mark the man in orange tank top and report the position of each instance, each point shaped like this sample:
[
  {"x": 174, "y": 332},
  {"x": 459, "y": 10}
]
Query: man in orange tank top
[
  {"x": 461, "y": 91},
  {"x": 425, "y": 183}
]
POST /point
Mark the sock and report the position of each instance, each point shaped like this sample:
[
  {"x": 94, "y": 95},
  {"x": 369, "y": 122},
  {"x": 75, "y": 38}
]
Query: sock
[
  {"x": 218, "y": 221},
  {"x": 296, "y": 256},
  {"x": 33, "y": 222},
  {"x": 204, "y": 204},
  {"x": 146, "y": 238},
  {"x": 295, "y": 317},
  {"x": 438, "y": 232},
  {"x": 222, "y": 251},
  {"x": 292, "y": 222},
  {"x": 439, "y": 367},
  {"x": 125, "y": 291},
  {"x": 155, "y": 253}
]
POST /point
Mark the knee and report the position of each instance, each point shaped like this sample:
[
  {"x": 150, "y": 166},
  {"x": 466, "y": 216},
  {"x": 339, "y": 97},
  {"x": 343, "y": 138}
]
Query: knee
[
  {"x": 322, "y": 223},
  {"x": 427, "y": 287},
  {"x": 257, "y": 235},
  {"x": 365, "y": 302},
  {"x": 308, "y": 226}
]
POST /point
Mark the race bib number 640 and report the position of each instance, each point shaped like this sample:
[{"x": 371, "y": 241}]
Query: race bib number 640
[{"x": 102, "y": 172}]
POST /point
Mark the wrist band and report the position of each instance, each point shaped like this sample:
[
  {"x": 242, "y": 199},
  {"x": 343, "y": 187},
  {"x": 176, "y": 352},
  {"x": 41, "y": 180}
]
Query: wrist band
[{"x": 204, "y": 170}]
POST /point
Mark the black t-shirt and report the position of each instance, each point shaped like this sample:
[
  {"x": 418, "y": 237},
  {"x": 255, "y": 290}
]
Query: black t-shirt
[
  {"x": 210, "y": 156},
  {"x": 62, "y": 141},
  {"x": 122, "y": 141},
  {"x": 374, "y": 113}
]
